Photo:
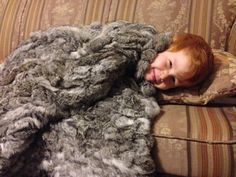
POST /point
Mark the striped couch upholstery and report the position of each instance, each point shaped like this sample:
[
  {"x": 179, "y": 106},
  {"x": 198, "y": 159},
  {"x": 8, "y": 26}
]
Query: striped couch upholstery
[
  {"x": 231, "y": 45},
  {"x": 203, "y": 145},
  {"x": 211, "y": 19}
]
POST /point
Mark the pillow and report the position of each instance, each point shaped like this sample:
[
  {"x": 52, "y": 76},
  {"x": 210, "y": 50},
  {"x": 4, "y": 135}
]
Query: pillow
[{"x": 221, "y": 83}]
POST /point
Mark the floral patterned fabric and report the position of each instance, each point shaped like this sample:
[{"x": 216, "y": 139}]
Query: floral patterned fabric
[{"x": 211, "y": 19}]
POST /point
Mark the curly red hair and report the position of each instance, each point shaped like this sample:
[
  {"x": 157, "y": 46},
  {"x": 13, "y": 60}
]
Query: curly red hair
[{"x": 200, "y": 55}]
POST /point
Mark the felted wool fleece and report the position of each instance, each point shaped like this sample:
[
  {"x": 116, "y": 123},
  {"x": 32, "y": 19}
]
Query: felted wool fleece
[{"x": 73, "y": 102}]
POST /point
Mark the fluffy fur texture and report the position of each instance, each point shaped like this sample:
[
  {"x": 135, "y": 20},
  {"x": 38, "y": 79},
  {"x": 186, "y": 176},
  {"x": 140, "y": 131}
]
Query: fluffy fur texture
[{"x": 73, "y": 102}]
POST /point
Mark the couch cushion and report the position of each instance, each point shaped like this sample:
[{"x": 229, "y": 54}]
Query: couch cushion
[{"x": 196, "y": 141}]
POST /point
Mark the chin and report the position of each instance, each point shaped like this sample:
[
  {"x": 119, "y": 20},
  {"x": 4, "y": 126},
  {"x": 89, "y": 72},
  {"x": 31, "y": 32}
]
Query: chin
[{"x": 161, "y": 87}]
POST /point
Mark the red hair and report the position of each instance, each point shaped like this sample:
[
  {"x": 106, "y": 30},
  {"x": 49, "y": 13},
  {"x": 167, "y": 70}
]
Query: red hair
[{"x": 199, "y": 53}]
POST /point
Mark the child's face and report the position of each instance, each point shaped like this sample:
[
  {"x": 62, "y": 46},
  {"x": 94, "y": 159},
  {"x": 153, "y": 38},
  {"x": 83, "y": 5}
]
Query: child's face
[{"x": 166, "y": 68}]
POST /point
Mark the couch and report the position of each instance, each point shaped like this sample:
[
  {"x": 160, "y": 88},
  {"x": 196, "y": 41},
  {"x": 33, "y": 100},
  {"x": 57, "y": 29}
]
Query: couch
[{"x": 192, "y": 138}]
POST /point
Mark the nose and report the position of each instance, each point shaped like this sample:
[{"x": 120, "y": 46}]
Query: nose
[{"x": 164, "y": 74}]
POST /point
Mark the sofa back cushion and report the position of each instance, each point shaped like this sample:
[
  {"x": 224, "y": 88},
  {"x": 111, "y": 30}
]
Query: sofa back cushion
[{"x": 210, "y": 19}]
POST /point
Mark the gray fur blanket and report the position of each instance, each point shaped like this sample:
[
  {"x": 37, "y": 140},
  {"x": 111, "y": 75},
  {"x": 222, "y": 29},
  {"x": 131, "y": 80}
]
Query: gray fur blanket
[{"x": 73, "y": 102}]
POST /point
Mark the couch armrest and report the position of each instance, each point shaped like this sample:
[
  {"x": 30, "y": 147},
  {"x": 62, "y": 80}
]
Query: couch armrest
[{"x": 231, "y": 45}]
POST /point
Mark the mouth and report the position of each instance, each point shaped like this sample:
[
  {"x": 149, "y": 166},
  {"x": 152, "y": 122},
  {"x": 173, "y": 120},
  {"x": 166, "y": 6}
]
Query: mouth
[
  {"x": 153, "y": 75},
  {"x": 156, "y": 80}
]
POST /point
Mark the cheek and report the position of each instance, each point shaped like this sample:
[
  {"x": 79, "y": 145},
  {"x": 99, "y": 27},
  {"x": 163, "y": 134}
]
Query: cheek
[{"x": 157, "y": 62}]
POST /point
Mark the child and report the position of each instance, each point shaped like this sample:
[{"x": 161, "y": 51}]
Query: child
[{"x": 185, "y": 63}]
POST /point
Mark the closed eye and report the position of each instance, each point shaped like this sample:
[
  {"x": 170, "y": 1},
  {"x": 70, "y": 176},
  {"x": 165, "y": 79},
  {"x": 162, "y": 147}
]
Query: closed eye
[{"x": 170, "y": 64}]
